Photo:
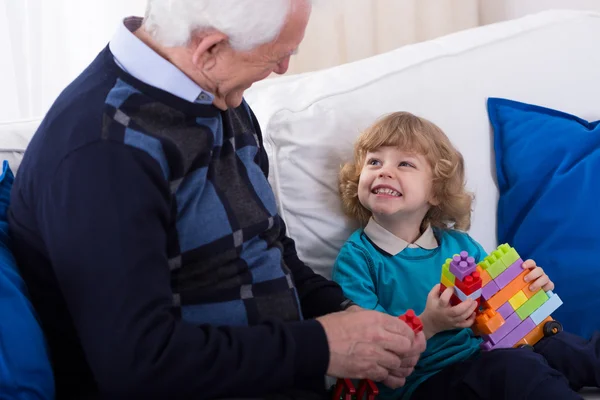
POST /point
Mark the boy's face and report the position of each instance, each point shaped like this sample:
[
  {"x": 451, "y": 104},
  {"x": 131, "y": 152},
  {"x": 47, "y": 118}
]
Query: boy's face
[{"x": 394, "y": 184}]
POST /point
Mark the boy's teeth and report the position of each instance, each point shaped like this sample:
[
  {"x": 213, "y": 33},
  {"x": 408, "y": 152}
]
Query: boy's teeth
[{"x": 387, "y": 191}]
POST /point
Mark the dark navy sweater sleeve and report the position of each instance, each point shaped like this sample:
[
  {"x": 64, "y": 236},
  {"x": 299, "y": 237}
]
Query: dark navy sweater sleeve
[
  {"x": 103, "y": 217},
  {"x": 318, "y": 295}
]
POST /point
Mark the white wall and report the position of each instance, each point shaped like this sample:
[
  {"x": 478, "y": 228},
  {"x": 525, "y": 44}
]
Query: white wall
[{"x": 494, "y": 10}]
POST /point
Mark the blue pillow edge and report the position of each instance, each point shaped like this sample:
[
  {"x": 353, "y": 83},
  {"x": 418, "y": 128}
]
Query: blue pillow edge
[{"x": 521, "y": 106}]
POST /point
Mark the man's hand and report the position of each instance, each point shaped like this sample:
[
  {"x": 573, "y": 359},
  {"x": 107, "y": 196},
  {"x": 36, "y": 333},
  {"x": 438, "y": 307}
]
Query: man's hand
[{"x": 366, "y": 344}]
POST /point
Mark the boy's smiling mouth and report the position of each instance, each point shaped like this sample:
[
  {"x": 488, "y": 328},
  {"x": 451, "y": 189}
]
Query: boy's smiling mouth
[{"x": 386, "y": 190}]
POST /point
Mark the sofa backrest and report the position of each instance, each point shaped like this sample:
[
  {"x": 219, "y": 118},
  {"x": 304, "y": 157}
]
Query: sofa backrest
[
  {"x": 310, "y": 121},
  {"x": 14, "y": 138}
]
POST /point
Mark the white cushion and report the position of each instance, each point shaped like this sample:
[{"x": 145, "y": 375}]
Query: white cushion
[
  {"x": 14, "y": 138},
  {"x": 311, "y": 121}
]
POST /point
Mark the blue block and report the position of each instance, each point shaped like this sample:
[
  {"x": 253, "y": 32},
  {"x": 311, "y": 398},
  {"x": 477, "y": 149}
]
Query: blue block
[{"x": 547, "y": 308}]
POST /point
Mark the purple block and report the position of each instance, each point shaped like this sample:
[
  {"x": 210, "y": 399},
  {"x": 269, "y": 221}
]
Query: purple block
[
  {"x": 489, "y": 290},
  {"x": 516, "y": 334},
  {"x": 486, "y": 346},
  {"x": 462, "y": 265},
  {"x": 506, "y": 310},
  {"x": 510, "y": 323},
  {"x": 509, "y": 274}
]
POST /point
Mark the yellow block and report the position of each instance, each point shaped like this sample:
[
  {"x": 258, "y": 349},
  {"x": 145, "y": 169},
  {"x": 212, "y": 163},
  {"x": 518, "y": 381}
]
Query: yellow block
[
  {"x": 518, "y": 300},
  {"x": 446, "y": 282}
]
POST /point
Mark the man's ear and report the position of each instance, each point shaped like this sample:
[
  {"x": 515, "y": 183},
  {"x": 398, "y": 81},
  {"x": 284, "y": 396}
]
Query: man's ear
[{"x": 206, "y": 46}]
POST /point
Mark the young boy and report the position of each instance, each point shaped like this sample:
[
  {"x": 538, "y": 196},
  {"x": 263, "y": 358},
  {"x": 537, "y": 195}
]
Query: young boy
[{"x": 406, "y": 187}]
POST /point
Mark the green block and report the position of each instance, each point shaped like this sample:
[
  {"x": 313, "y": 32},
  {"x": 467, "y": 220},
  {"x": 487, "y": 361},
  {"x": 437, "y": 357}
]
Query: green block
[
  {"x": 510, "y": 257},
  {"x": 532, "y": 304},
  {"x": 446, "y": 271},
  {"x": 496, "y": 268},
  {"x": 484, "y": 264}
]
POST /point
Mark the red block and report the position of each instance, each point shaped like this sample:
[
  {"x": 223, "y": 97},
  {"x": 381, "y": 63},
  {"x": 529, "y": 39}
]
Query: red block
[
  {"x": 412, "y": 320},
  {"x": 454, "y": 300},
  {"x": 368, "y": 386},
  {"x": 470, "y": 284},
  {"x": 442, "y": 288},
  {"x": 345, "y": 387}
]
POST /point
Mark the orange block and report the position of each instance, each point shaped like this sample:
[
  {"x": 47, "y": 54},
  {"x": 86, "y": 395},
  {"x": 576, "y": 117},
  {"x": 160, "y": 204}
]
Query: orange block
[
  {"x": 484, "y": 275},
  {"x": 535, "y": 335},
  {"x": 507, "y": 292},
  {"x": 528, "y": 292},
  {"x": 488, "y": 321}
]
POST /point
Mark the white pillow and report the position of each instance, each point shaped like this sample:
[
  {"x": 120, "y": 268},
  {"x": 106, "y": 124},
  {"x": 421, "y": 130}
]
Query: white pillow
[{"x": 311, "y": 121}]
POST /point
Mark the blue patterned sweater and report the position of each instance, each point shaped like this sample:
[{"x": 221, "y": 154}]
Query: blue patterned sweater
[{"x": 148, "y": 235}]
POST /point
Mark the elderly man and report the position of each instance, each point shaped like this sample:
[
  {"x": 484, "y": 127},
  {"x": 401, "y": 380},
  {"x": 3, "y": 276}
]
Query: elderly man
[{"x": 148, "y": 234}]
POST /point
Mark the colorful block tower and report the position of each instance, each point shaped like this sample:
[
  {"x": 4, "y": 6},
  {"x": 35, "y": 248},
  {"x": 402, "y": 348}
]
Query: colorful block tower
[{"x": 509, "y": 314}]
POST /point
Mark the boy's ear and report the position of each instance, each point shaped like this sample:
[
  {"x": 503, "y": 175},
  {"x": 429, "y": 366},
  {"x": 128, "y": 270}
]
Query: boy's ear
[{"x": 434, "y": 201}]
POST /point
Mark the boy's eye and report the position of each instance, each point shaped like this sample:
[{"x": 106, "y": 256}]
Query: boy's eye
[
  {"x": 373, "y": 161},
  {"x": 405, "y": 164}
]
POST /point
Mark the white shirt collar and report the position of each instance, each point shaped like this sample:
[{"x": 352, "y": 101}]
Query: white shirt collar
[
  {"x": 143, "y": 63},
  {"x": 392, "y": 244}
]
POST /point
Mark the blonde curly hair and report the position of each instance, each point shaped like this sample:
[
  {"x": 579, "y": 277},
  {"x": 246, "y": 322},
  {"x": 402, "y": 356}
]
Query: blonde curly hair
[{"x": 418, "y": 135}]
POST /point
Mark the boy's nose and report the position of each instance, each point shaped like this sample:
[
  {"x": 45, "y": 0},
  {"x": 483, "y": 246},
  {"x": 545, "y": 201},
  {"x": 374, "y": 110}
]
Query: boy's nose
[{"x": 384, "y": 173}]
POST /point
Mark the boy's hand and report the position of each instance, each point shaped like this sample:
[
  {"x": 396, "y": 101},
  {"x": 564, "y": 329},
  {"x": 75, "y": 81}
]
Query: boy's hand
[
  {"x": 537, "y": 276},
  {"x": 440, "y": 316}
]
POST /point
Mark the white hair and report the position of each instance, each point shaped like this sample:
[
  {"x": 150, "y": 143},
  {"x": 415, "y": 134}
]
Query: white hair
[{"x": 247, "y": 23}]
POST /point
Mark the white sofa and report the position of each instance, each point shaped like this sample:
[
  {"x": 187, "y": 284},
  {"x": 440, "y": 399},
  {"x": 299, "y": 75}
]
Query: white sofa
[{"x": 310, "y": 121}]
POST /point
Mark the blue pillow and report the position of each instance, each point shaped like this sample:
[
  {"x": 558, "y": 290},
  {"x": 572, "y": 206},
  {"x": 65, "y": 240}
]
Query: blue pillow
[
  {"x": 548, "y": 168},
  {"x": 25, "y": 371}
]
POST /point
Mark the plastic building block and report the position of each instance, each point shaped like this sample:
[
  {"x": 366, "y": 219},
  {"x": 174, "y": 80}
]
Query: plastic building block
[
  {"x": 516, "y": 334},
  {"x": 343, "y": 387},
  {"x": 444, "y": 281},
  {"x": 486, "y": 346},
  {"x": 488, "y": 322},
  {"x": 470, "y": 284},
  {"x": 511, "y": 323},
  {"x": 462, "y": 265},
  {"x": 507, "y": 292},
  {"x": 506, "y": 310},
  {"x": 535, "y": 335},
  {"x": 412, "y": 320},
  {"x": 532, "y": 304},
  {"x": 463, "y": 297},
  {"x": 509, "y": 255},
  {"x": 528, "y": 291},
  {"x": 518, "y": 300},
  {"x": 509, "y": 274},
  {"x": 489, "y": 290},
  {"x": 454, "y": 300},
  {"x": 511, "y": 314},
  {"x": 484, "y": 275},
  {"x": 446, "y": 270},
  {"x": 539, "y": 315},
  {"x": 367, "y": 386}
]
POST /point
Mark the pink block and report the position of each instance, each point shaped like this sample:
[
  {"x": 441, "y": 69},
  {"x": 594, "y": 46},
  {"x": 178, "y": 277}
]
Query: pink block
[
  {"x": 509, "y": 274},
  {"x": 506, "y": 310},
  {"x": 510, "y": 323},
  {"x": 462, "y": 265},
  {"x": 517, "y": 334},
  {"x": 489, "y": 290}
]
